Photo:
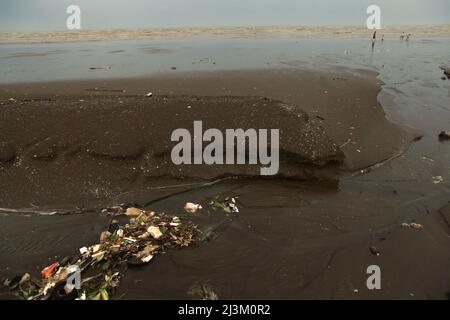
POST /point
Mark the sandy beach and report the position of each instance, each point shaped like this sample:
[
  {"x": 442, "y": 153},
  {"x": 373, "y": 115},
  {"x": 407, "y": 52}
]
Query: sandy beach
[
  {"x": 359, "y": 157},
  {"x": 391, "y": 32}
]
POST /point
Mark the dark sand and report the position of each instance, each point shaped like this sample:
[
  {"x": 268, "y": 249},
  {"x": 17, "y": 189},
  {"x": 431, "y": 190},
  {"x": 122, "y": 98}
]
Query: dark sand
[
  {"x": 60, "y": 136},
  {"x": 112, "y": 145},
  {"x": 293, "y": 238}
]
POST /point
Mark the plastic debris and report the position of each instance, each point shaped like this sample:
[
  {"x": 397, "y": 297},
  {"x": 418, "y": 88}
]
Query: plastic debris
[
  {"x": 412, "y": 225},
  {"x": 26, "y": 277},
  {"x": 149, "y": 94},
  {"x": 374, "y": 251},
  {"x": 133, "y": 212},
  {"x": 437, "y": 179},
  {"x": 175, "y": 222},
  {"x": 229, "y": 205},
  {"x": 147, "y": 258},
  {"x": 426, "y": 159},
  {"x": 155, "y": 232},
  {"x": 104, "y": 236},
  {"x": 192, "y": 207},
  {"x": 48, "y": 271},
  {"x": 101, "y": 265},
  {"x": 101, "y": 68}
]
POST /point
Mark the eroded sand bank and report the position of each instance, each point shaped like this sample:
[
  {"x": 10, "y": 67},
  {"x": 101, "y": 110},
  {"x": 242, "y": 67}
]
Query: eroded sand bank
[{"x": 109, "y": 137}]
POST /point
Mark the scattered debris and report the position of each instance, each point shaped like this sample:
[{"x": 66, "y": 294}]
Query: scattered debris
[
  {"x": 444, "y": 135},
  {"x": 84, "y": 250},
  {"x": 12, "y": 100},
  {"x": 192, "y": 207},
  {"x": 149, "y": 94},
  {"x": 49, "y": 271},
  {"x": 101, "y": 265},
  {"x": 374, "y": 251},
  {"x": 426, "y": 159},
  {"x": 345, "y": 143},
  {"x": 412, "y": 225},
  {"x": 437, "y": 179},
  {"x": 203, "y": 291},
  {"x": 228, "y": 205}
]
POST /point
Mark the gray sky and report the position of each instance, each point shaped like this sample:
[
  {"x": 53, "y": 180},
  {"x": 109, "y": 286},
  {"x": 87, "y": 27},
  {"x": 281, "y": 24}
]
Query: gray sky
[{"x": 50, "y": 15}]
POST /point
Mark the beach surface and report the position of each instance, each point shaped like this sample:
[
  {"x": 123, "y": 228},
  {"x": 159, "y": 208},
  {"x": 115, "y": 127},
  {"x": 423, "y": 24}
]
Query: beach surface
[{"x": 359, "y": 156}]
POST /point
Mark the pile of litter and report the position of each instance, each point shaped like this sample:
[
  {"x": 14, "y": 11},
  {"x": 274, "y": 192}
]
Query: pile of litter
[
  {"x": 191, "y": 207},
  {"x": 100, "y": 266}
]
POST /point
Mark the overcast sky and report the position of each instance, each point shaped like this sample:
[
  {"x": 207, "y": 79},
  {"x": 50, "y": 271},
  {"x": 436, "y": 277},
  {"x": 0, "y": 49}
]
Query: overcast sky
[{"x": 50, "y": 15}]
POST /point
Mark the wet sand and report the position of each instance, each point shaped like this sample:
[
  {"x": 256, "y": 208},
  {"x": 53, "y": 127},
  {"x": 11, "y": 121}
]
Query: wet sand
[
  {"x": 108, "y": 137},
  {"x": 81, "y": 146}
]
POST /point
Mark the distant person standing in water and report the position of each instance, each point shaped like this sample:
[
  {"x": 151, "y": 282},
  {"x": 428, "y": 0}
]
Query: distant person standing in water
[
  {"x": 407, "y": 37},
  {"x": 382, "y": 39},
  {"x": 374, "y": 38},
  {"x": 402, "y": 36}
]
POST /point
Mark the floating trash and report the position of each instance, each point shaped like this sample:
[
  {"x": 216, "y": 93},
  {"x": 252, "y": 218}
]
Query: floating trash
[
  {"x": 192, "y": 207},
  {"x": 412, "y": 225},
  {"x": 444, "y": 135},
  {"x": 437, "y": 179},
  {"x": 228, "y": 205},
  {"x": 95, "y": 272},
  {"x": 374, "y": 251}
]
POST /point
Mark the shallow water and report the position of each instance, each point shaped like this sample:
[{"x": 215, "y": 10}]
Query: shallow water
[{"x": 410, "y": 70}]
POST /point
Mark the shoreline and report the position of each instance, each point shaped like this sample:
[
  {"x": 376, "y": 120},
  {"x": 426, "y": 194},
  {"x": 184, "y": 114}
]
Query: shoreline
[{"x": 320, "y": 32}]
